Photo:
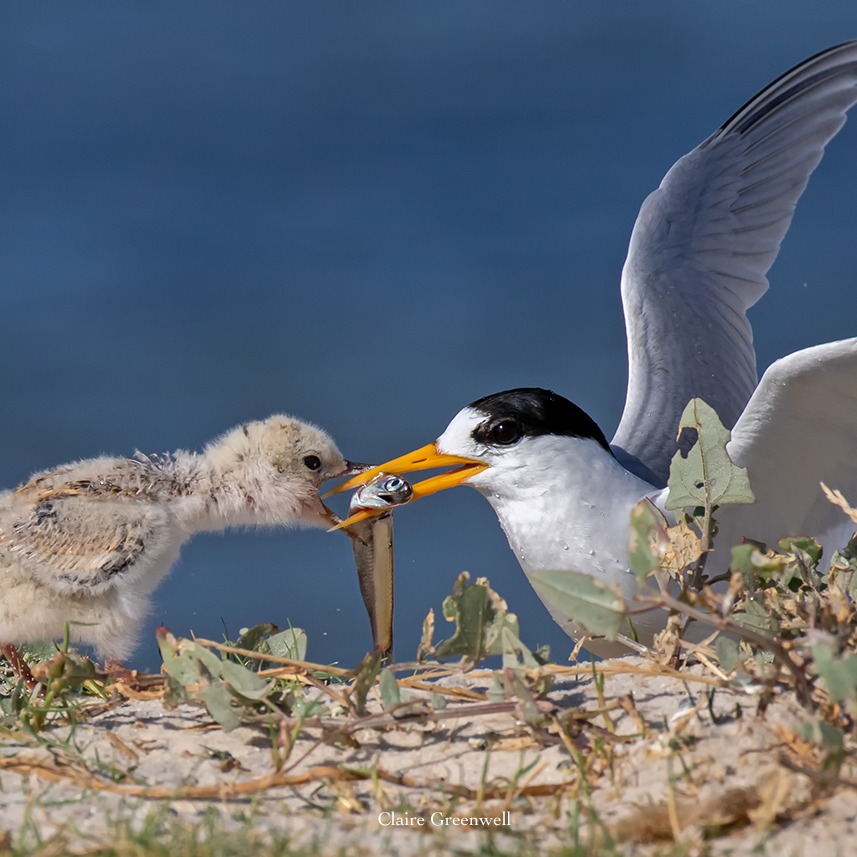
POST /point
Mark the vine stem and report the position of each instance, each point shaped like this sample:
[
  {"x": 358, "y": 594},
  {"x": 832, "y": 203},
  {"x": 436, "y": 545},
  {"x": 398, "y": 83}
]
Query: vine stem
[{"x": 803, "y": 687}]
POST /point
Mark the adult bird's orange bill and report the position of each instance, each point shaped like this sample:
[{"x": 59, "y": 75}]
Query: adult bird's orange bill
[{"x": 427, "y": 457}]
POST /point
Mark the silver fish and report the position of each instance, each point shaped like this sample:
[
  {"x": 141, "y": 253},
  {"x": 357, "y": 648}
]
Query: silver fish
[
  {"x": 373, "y": 553},
  {"x": 385, "y": 491}
]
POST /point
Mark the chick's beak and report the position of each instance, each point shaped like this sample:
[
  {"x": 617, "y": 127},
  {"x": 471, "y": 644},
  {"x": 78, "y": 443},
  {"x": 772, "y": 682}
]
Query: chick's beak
[
  {"x": 323, "y": 515},
  {"x": 425, "y": 458}
]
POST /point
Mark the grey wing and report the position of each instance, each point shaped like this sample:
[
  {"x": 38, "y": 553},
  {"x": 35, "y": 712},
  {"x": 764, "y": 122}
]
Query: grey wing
[
  {"x": 799, "y": 429},
  {"x": 702, "y": 246},
  {"x": 76, "y": 545}
]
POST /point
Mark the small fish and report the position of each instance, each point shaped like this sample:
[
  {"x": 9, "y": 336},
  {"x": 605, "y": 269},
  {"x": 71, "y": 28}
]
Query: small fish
[
  {"x": 373, "y": 552},
  {"x": 383, "y": 492}
]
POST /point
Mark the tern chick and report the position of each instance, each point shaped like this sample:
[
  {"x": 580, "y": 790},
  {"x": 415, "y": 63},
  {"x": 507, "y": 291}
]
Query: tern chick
[{"x": 85, "y": 544}]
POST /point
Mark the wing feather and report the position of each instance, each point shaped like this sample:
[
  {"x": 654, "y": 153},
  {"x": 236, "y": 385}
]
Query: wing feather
[
  {"x": 799, "y": 429},
  {"x": 702, "y": 246},
  {"x": 74, "y": 544}
]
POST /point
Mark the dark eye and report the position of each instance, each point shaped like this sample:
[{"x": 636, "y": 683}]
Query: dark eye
[
  {"x": 313, "y": 462},
  {"x": 505, "y": 433}
]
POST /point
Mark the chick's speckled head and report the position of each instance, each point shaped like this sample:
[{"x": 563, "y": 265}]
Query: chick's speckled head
[{"x": 285, "y": 445}]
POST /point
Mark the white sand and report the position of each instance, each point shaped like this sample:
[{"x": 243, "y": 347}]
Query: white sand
[{"x": 731, "y": 768}]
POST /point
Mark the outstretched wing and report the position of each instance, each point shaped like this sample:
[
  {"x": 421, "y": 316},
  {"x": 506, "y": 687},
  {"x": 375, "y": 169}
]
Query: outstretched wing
[
  {"x": 799, "y": 429},
  {"x": 703, "y": 243},
  {"x": 76, "y": 545}
]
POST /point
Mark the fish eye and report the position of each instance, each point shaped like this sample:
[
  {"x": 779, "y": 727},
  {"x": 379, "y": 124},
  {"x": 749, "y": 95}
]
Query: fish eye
[
  {"x": 394, "y": 483},
  {"x": 505, "y": 433},
  {"x": 313, "y": 462}
]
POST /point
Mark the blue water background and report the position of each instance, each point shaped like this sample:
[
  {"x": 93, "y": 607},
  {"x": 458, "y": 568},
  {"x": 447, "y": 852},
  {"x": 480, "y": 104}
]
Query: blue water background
[{"x": 367, "y": 215}]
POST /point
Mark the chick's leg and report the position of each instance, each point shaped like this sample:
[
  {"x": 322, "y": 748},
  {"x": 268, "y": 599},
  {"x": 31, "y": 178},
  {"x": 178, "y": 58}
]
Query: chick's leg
[{"x": 18, "y": 664}]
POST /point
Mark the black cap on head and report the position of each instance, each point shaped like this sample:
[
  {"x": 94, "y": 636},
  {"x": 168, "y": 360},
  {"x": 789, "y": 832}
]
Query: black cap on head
[{"x": 534, "y": 412}]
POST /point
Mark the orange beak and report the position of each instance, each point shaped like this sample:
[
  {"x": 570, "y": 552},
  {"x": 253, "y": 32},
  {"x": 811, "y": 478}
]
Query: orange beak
[{"x": 425, "y": 458}]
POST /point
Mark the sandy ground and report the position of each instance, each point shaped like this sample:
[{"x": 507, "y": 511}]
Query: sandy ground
[{"x": 651, "y": 758}]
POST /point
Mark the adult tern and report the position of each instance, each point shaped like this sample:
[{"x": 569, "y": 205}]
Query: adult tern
[{"x": 698, "y": 258}]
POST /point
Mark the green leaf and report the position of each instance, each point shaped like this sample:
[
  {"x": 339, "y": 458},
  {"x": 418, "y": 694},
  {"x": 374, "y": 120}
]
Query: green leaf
[
  {"x": 242, "y": 681},
  {"x": 528, "y": 708},
  {"x": 742, "y": 561},
  {"x": 597, "y": 606},
  {"x": 843, "y": 568},
  {"x": 40, "y": 650},
  {"x": 483, "y": 625},
  {"x": 728, "y": 654},
  {"x": 184, "y": 659},
  {"x": 647, "y": 523},
  {"x": 822, "y": 733},
  {"x": 438, "y": 701},
  {"x": 502, "y": 637},
  {"x": 291, "y": 643},
  {"x": 253, "y": 639},
  {"x": 801, "y": 545},
  {"x": 706, "y": 476},
  {"x": 364, "y": 680},
  {"x": 839, "y": 673},
  {"x": 391, "y": 695},
  {"x": 514, "y": 652},
  {"x": 756, "y": 567},
  {"x": 196, "y": 674},
  {"x": 222, "y": 706},
  {"x": 497, "y": 691},
  {"x": 469, "y": 607},
  {"x": 756, "y": 618}
]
